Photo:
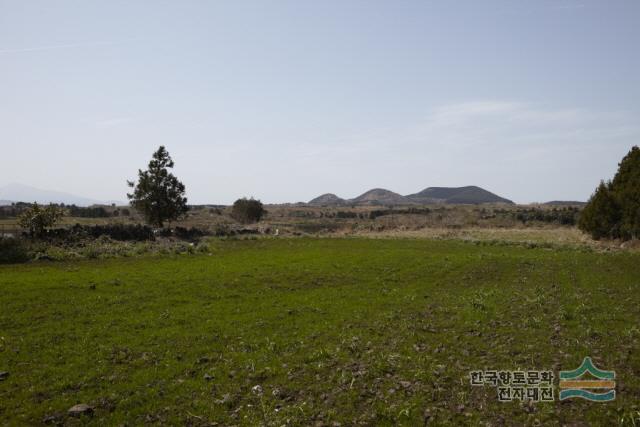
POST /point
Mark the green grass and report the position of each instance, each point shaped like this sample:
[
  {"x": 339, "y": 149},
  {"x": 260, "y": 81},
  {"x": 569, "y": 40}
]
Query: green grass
[{"x": 356, "y": 331}]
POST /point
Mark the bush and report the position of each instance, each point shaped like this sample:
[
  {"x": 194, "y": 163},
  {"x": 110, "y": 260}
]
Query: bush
[
  {"x": 563, "y": 216},
  {"x": 13, "y": 251},
  {"x": 247, "y": 210}
]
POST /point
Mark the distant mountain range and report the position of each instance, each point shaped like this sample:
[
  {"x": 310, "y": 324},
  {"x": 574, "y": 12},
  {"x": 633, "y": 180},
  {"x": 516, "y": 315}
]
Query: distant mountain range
[
  {"x": 23, "y": 193},
  {"x": 450, "y": 195},
  {"x": 376, "y": 197}
]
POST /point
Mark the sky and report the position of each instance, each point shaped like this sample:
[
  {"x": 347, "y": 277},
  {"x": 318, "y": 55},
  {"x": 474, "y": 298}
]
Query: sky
[{"x": 286, "y": 100}]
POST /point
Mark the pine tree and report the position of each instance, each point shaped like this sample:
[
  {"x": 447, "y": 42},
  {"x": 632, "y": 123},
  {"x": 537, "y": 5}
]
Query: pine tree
[
  {"x": 614, "y": 209},
  {"x": 626, "y": 189},
  {"x": 158, "y": 195},
  {"x": 601, "y": 216}
]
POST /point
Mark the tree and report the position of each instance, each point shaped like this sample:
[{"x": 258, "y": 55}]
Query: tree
[
  {"x": 247, "y": 210},
  {"x": 613, "y": 210},
  {"x": 158, "y": 195},
  {"x": 36, "y": 219},
  {"x": 601, "y": 216},
  {"x": 626, "y": 189}
]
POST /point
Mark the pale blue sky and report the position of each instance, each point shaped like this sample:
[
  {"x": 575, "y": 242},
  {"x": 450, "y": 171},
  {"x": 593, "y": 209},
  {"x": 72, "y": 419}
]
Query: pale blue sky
[{"x": 284, "y": 100}]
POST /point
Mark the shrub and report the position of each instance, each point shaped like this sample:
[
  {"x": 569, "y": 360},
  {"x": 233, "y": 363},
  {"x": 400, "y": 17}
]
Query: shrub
[
  {"x": 122, "y": 232},
  {"x": 247, "y": 210},
  {"x": 182, "y": 233},
  {"x": 13, "y": 251},
  {"x": 36, "y": 219}
]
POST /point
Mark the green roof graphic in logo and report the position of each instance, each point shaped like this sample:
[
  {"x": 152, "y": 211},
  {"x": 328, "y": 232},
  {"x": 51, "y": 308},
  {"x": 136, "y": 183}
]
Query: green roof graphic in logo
[{"x": 572, "y": 386}]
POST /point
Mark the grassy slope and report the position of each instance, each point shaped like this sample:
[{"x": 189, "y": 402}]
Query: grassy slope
[{"x": 349, "y": 330}]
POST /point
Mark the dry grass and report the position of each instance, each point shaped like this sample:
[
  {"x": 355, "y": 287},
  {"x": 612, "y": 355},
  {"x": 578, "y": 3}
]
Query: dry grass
[{"x": 540, "y": 236}]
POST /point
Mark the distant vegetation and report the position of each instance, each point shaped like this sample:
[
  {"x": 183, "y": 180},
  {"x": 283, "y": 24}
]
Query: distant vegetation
[
  {"x": 16, "y": 209},
  {"x": 561, "y": 216},
  {"x": 410, "y": 211},
  {"x": 613, "y": 210},
  {"x": 90, "y": 212}
]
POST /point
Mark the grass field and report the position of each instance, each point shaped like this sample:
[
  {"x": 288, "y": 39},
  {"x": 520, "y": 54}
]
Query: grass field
[{"x": 316, "y": 331}]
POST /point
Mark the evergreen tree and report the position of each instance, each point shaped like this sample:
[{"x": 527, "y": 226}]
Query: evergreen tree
[
  {"x": 158, "y": 195},
  {"x": 601, "y": 216},
  {"x": 626, "y": 189},
  {"x": 614, "y": 209}
]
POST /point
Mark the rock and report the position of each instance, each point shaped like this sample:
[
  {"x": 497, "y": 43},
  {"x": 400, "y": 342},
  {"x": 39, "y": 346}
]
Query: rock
[
  {"x": 55, "y": 419},
  {"x": 80, "y": 409},
  {"x": 405, "y": 384},
  {"x": 4, "y": 376},
  {"x": 257, "y": 389},
  {"x": 208, "y": 377},
  {"x": 226, "y": 399}
]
